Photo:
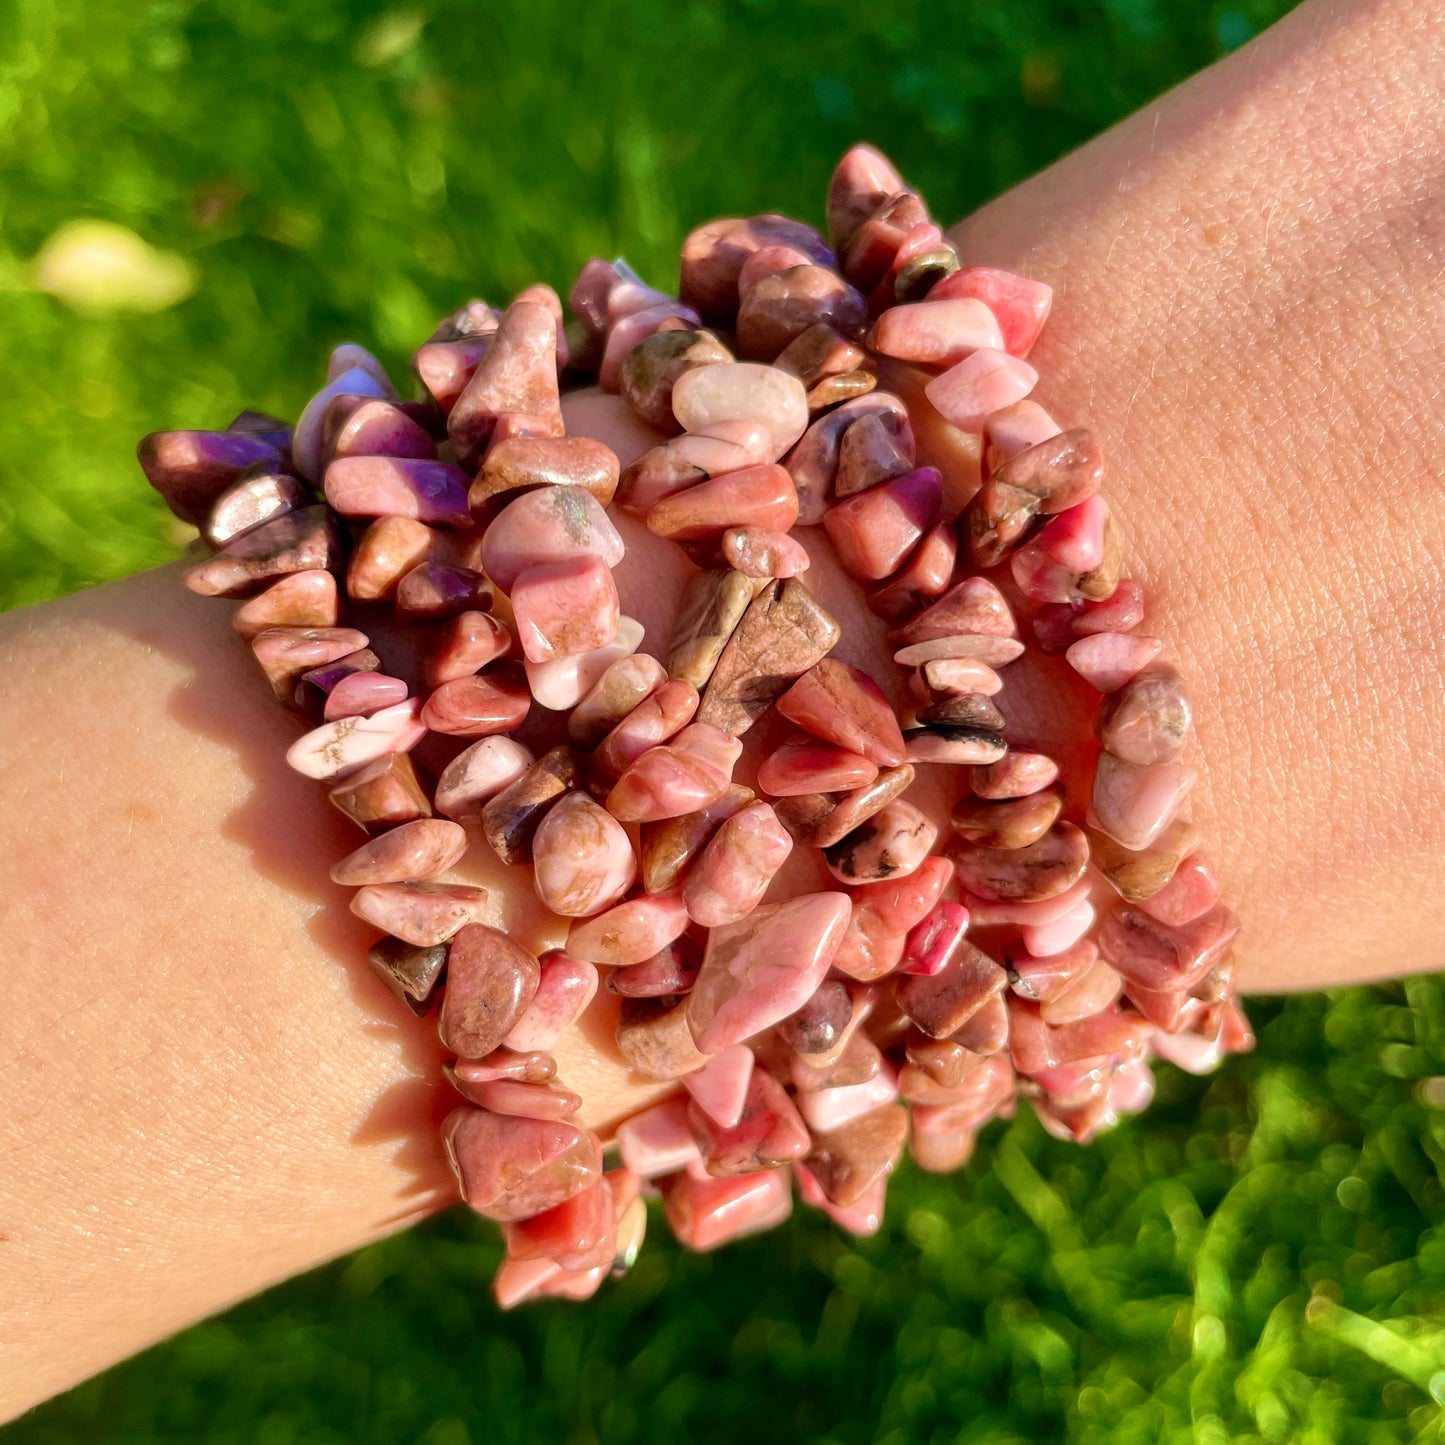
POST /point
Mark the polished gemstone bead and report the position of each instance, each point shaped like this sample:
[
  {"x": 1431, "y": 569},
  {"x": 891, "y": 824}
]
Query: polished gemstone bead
[
  {"x": 534, "y": 1067},
  {"x": 782, "y": 634},
  {"x": 896, "y": 905},
  {"x": 192, "y": 469},
  {"x": 518, "y": 374},
  {"x": 314, "y": 687},
  {"x": 510, "y": 819},
  {"x": 258, "y": 497},
  {"x": 941, "y": 1003},
  {"x": 1042, "y": 869},
  {"x": 470, "y": 707},
  {"x": 305, "y": 540},
  {"x": 968, "y": 393},
  {"x": 808, "y": 765},
  {"x": 382, "y": 794},
  {"x": 848, "y": 1161},
  {"x": 303, "y": 599},
  {"x": 1095, "y": 989},
  {"x": 758, "y": 971},
  {"x": 743, "y": 391},
  {"x": 582, "y": 858},
  {"x": 670, "y": 845},
  {"x": 768, "y": 1132},
  {"x": 934, "y": 940},
  {"x": 444, "y": 367},
  {"x": 720, "y": 1089},
  {"x": 922, "y": 579},
  {"x": 434, "y": 591},
  {"x": 561, "y": 609},
  {"x": 520, "y": 1281},
  {"x": 649, "y": 371},
  {"x": 954, "y": 743},
  {"x": 1020, "y": 304},
  {"x": 688, "y": 773},
  {"x": 548, "y": 525},
  {"x": 623, "y": 686},
  {"x": 284, "y": 653},
  {"x": 995, "y": 651},
  {"x": 463, "y": 645},
  {"x": 654, "y": 1039},
  {"x": 514, "y": 1168},
  {"x": 869, "y": 453},
  {"x": 419, "y": 913},
  {"x": 1192, "y": 891},
  {"x": 660, "y": 716},
  {"x": 1158, "y": 956},
  {"x": 819, "y": 820},
  {"x": 1054, "y": 935},
  {"x": 757, "y": 552},
  {"x": 672, "y": 970},
  {"x": 373, "y": 426},
  {"x": 712, "y": 606},
  {"x": 769, "y": 261},
  {"x": 726, "y": 447},
  {"x": 706, "y": 1213},
  {"x": 944, "y": 1061},
  {"x": 490, "y": 982},
  {"x": 388, "y": 549},
  {"x": 1108, "y": 660},
  {"x": 631, "y": 932},
  {"x": 947, "y": 677},
  {"x": 578, "y": 1234},
  {"x": 1076, "y": 557},
  {"x": 762, "y": 497},
  {"x": 351, "y": 742},
  {"x": 843, "y": 705},
  {"x": 986, "y": 1032},
  {"x": 634, "y": 330},
  {"x": 861, "y": 182},
  {"x": 1134, "y": 802},
  {"x": 1014, "y": 776},
  {"x": 362, "y": 693},
  {"x": 1121, "y": 611},
  {"x": 936, "y": 333},
  {"x": 262, "y": 424},
  {"x": 813, "y": 463},
  {"x": 734, "y": 869},
  {"x": 875, "y": 244},
  {"x": 659, "y": 1140},
  {"x": 1011, "y": 823},
  {"x": 968, "y": 710},
  {"x": 411, "y": 973},
  {"x": 921, "y": 240},
  {"x": 562, "y": 682},
  {"x": 522, "y": 1100},
  {"x": 565, "y": 987},
  {"x": 419, "y": 849},
  {"x": 818, "y": 1026},
  {"x": 874, "y": 531},
  {"x": 820, "y": 352},
  {"x": 1137, "y": 874},
  {"x": 937, "y": 1143},
  {"x": 890, "y": 844},
  {"x": 1042, "y": 978},
  {"x": 778, "y": 308},
  {"x": 363, "y": 379},
  {"x": 714, "y": 254},
  {"x": 425, "y": 491},
  {"x": 477, "y": 774},
  {"x": 521, "y": 463},
  {"x": 973, "y": 608},
  {"x": 1147, "y": 719}
]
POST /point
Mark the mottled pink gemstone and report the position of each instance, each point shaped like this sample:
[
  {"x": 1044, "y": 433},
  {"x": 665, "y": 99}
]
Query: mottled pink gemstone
[
  {"x": 424, "y": 491},
  {"x": 375, "y": 427},
  {"x": 811, "y": 765},
  {"x": 518, "y": 1281},
  {"x": 561, "y": 609},
  {"x": 813, "y": 463},
  {"x": 658, "y": 1140},
  {"x": 832, "y": 1107},
  {"x": 306, "y": 441},
  {"x": 1156, "y": 956},
  {"x": 1047, "y": 568},
  {"x": 516, "y": 376},
  {"x": 1042, "y": 979},
  {"x": 1032, "y": 913},
  {"x": 284, "y": 653},
  {"x": 970, "y": 392},
  {"x": 1013, "y": 430},
  {"x": 733, "y": 871},
  {"x": 758, "y": 971},
  {"x": 301, "y": 541},
  {"x": 362, "y": 693},
  {"x": 512, "y": 1168},
  {"x": 923, "y": 577},
  {"x": 1107, "y": 660},
  {"x": 961, "y": 677},
  {"x": 658, "y": 717},
  {"x": 769, "y": 261},
  {"x": 477, "y": 774},
  {"x": 421, "y": 913},
  {"x": 845, "y": 706},
  {"x": 705, "y": 1213},
  {"x": 762, "y": 497},
  {"x": 1055, "y": 935},
  {"x": 629, "y": 331},
  {"x": 1134, "y": 802},
  {"x": 1095, "y": 989},
  {"x": 862, "y": 1219},
  {"x": 256, "y": 498},
  {"x": 891, "y": 844},
  {"x": 578, "y": 1234},
  {"x": 490, "y": 981},
  {"x": 1020, "y": 304},
  {"x": 563, "y": 682},
  {"x": 874, "y": 531},
  {"x": 523, "y": 1100},
  {"x": 463, "y": 645},
  {"x": 861, "y": 182},
  {"x": 632, "y": 932},
  {"x": 303, "y": 599},
  {"x": 768, "y": 1132},
  {"x": 720, "y": 1087},
  {"x": 433, "y": 591},
  {"x": 937, "y": 333},
  {"x": 695, "y": 769},
  {"x": 472, "y": 707},
  {"x": 714, "y": 254},
  {"x": 756, "y": 552},
  {"x": 743, "y": 391},
  {"x": 932, "y": 942},
  {"x": 1192, "y": 891},
  {"x": 1015, "y": 776},
  {"x": 349, "y": 742},
  {"x": 419, "y": 849},
  {"x": 565, "y": 988},
  {"x": 550, "y": 524},
  {"x": 995, "y": 651},
  {"x": 582, "y": 858}
]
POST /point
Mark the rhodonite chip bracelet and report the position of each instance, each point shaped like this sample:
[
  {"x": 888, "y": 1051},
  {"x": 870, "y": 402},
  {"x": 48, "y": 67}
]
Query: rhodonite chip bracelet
[{"x": 805, "y": 1041}]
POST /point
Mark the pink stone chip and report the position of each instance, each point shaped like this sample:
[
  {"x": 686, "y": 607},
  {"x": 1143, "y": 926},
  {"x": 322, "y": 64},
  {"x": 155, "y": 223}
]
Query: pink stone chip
[
  {"x": 1095, "y": 989},
  {"x": 743, "y": 391},
  {"x": 861, "y": 182},
  {"x": 810, "y": 765},
  {"x": 985, "y": 382},
  {"x": 632, "y": 932},
  {"x": 813, "y": 463},
  {"x": 563, "y": 682},
  {"x": 582, "y": 858},
  {"x": 562, "y": 609},
  {"x": 705, "y": 1213},
  {"x": 1015, "y": 776},
  {"x": 351, "y": 742},
  {"x": 758, "y": 971},
  {"x": 932, "y": 942},
  {"x": 477, "y": 774},
  {"x": 1049, "y": 566},
  {"x": 424, "y": 491},
  {"x": 1192, "y": 891},
  {"x": 862, "y": 1219},
  {"x": 1107, "y": 660},
  {"x": 720, "y": 1087},
  {"x": 896, "y": 840},
  {"x": 516, "y": 376},
  {"x": 1134, "y": 802},
  {"x": 769, "y": 1132},
  {"x": 421, "y": 913},
  {"x": 695, "y": 769},
  {"x": 419, "y": 849},
  {"x": 761, "y": 497},
  {"x": 303, "y": 599},
  {"x": 995, "y": 651},
  {"x": 733, "y": 871},
  {"x": 843, "y": 705},
  {"x": 362, "y": 693},
  {"x": 463, "y": 645},
  {"x": 1020, "y": 304},
  {"x": 512, "y": 1168},
  {"x": 306, "y": 441},
  {"x": 937, "y": 333},
  {"x": 550, "y": 524},
  {"x": 975, "y": 607},
  {"x": 1013, "y": 430},
  {"x": 756, "y": 552},
  {"x": 629, "y": 331},
  {"x": 832, "y": 1108},
  {"x": 658, "y": 717},
  {"x": 874, "y": 531},
  {"x": 658, "y": 1140},
  {"x": 1057, "y": 935},
  {"x": 566, "y": 986}
]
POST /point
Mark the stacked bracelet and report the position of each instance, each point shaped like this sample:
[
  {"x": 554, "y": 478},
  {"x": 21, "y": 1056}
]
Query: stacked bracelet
[{"x": 813, "y": 1037}]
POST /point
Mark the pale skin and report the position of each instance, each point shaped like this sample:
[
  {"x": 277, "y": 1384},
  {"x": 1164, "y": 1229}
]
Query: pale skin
[{"x": 206, "y": 1092}]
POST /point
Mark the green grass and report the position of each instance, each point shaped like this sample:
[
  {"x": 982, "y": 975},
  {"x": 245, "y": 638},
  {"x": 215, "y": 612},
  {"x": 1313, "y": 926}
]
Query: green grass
[{"x": 1260, "y": 1257}]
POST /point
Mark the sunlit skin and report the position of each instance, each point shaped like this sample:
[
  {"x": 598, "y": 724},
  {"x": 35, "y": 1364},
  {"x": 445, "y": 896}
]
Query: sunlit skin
[{"x": 214, "y": 1092}]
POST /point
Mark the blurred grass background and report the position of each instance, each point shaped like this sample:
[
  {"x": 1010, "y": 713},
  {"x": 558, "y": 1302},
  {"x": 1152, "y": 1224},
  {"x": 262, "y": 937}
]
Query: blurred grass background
[{"x": 1259, "y": 1258}]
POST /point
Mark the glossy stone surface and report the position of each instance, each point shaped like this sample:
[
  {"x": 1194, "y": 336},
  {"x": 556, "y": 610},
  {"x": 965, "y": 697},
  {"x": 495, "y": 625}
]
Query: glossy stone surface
[
  {"x": 1137, "y": 874},
  {"x": 714, "y": 254},
  {"x": 727, "y": 446},
  {"x": 352, "y": 742},
  {"x": 517, "y": 375},
  {"x": 1134, "y": 802},
  {"x": 1157, "y": 956},
  {"x": 655, "y": 1041},
  {"x": 373, "y": 426},
  {"x": 632, "y": 932},
  {"x": 933, "y": 941},
  {"x": 1014, "y": 776},
  {"x": 1076, "y": 557},
  {"x": 1011, "y": 823},
  {"x": 463, "y": 645},
  {"x": 191, "y": 469},
  {"x": 720, "y": 1088},
  {"x": 768, "y": 1132},
  {"x": 987, "y": 380},
  {"x": 284, "y": 653},
  {"x": 561, "y": 609},
  {"x": 758, "y": 971},
  {"x": 623, "y": 686},
  {"x": 848, "y": 1161},
  {"x": 411, "y": 973},
  {"x": 756, "y": 552},
  {"x": 874, "y": 531},
  {"x": 362, "y": 693},
  {"x": 1146, "y": 720},
  {"x": 818, "y": 1026},
  {"x": 942, "y": 1002},
  {"x": 658, "y": 1140},
  {"x": 814, "y": 461},
  {"x": 649, "y": 371},
  {"x": 582, "y": 859},
  {"x": 434, "y": 591},
  {"x": 1108, "y": 660},
  {"x": 548, "y": 525},
  {"x": 936, "y": 333},
  {"x": 890, "y": 844},
  {"x": 510, "y": 819},
  {"x": 1020, "y": 303},
  {"x": 974, "y": 607},
  {"x": 672, "y": 970},
  {"x": 706, "y": 1213},
  {"x": 781, "y": 307},
  {"x": 821, "y": 819},
  {"x": 670, "y": 845},
  {"x": 386, "y": 551},
  {"x": 818, "y": 353},
  {"x": 862, "y": 180},
  {"x": 564, "y": 989},
  {"x": 743, "y": 391},
  {"x": 712, "y": 605},
  {"x": 415, "y": 850},
  {"x": 761, "y": 496},
  {"x": 382, "y": 794},
  {"x": 562, "y": 682},
  {"x": 521, "y": 463},
  {"x": 256, "y": 498},
  {"x": 661, "y": 715},
  {"x": 733, "y": 871},
  {"x": 690, "y": 772},
  {"x": 425, "y": 491},
  {"x": 490, "y": 982},
  {"x": 843, "y": 705},
  {"x": 513, "y": 1168},
  {"x": 869, "y": 452},
  {"x": 995, "y": 651},
  {"x": 805, "y": 764},
  {"x": 420, "y": 913},
  {"x": 495, "y": 701},
  {"x": 958, "y": 744},
  {"x": 1040, "y": 870},
  {"x": 783, "y": 633},
  {"x": 305, "y": 540},
  {"x": 1192, "y": 891},
  {"x": 303, "y": 599},
  {"x": 477, "y": 774}
]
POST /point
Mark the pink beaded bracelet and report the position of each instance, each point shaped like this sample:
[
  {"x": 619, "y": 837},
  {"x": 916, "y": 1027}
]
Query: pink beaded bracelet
[{"x": 814, "y": 1037}]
